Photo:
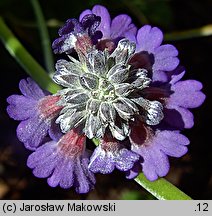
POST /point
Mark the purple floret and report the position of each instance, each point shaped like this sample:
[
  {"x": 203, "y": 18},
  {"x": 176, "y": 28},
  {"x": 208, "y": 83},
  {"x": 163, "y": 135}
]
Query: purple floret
[
  {"x": 74, "y": 29},
  {"x": 110, "y": 154},
  {"x": 36, "y": 110},
  {"x": 119, "y": 27},
  {"x": 156, "y": 149},
  {"x": 185, "y": 95},
  {"x": 153, "y": 56},
  {"x": 64, "y": 162}
]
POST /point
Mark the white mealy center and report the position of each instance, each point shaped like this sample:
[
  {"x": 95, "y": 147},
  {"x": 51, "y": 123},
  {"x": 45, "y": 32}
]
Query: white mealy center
[{"x": 105, "y": 91}]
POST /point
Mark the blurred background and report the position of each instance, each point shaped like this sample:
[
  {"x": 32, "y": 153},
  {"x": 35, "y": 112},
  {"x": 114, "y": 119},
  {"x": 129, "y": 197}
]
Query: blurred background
[{"x": 191, "y": 173}]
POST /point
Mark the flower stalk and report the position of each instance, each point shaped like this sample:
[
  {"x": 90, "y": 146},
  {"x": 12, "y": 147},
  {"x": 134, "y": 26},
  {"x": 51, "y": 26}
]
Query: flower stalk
[{"x": 162, "y": 189}]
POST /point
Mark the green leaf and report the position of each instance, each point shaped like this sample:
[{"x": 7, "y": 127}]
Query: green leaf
[{"x": 46, "y": 45}]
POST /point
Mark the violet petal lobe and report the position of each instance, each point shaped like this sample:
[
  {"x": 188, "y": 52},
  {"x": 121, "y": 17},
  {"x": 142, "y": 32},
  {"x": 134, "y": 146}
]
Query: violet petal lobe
[
  {"x": 179, "y": 117},
  {"x": 148, "y": 38},
  {"x": 37, "y": 111},
  {"x": 154, "y": 152},
  {"x": 32, "y": 132},
  {"x": 104, "y": 26},
  {"x": 64, "y": 162},
  {"x": 187, "y": 94},
  {"x": 30, "y": 89},
  {"x": 112, "y": 155},
  {"x": 122, "y": 26},
  {"x": 20, "y": 107},
  {"x": 166, "y": 58}
]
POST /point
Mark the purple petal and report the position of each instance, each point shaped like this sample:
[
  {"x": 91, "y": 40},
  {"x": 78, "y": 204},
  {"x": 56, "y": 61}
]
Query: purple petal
[
  {"x": 179, "y": 117},
  {"x": 104, "y": 26},
  {"x": 176, "y": 75},
  {"x": 105, "y": 162},
  {"x": 165, "y": 58},
  {"x": 100, "y": 162},
  {"x": 60, "y": 170},
  {"x": 155, "y": 163},
  {"x": 32, "y": 132},
  {"x": 85, "y": 161},
  {"x": 65, "y": 43},
  {"x": 55, "y": 132},
  {"x": 65, "y": 163},
  {"x": 159, "y": 76},
  {"x": 155, "y": 150},
  {"x": 84, "y": 13},
  {"x": 82, "y": 185},
  {"x": 71, "y": 25},
  {"x": 133, "y": 173},
  {"x": 165, "y": 51},
  {"x": 187, "y": 94},
  {"x": 45, "y": 151},
  {"x": 167, "y": 64},
  {"x": 131, "y": 35},
  {"x": 125, "y": 159},
  {"x": 66, "y": 178},
  {"x": 30, "y": 89},
  {"x": 21, "y": 107},
  {"x": 148, "y": 39},
  {"x": 121, "y": 26},
  {"x": 43, "y": 160},
  {"x": 173, "y": 144}
]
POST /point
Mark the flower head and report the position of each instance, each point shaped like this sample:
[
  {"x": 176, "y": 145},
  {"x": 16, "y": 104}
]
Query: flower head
[
  {"x": 105, "y": 91},
  {"x": 121, "y": 86}
]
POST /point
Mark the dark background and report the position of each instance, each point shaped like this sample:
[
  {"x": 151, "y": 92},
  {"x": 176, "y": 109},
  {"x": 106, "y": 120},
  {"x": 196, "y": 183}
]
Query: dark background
[{"x": 191, "y": 173}]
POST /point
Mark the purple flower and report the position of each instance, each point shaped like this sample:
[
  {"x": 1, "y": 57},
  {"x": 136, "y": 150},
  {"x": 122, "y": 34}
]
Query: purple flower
[
  {"x": 73, "y": 30},
  {"x": 65, "y": 162},
  {"x": 113, "y": 30},
  {"x": 155, "y": 144},
  {"x": 185, "y": 95},
  {"x": 119, "y": 27},
  {"x": 124, "y": 87},
  {"x": 36, "y": 110},
  {"x": 110, "y": 154},
  {"x": 178, "y": 97},
  {"x": 151, "y": 55},
  {"x": 156, "y": 148}
]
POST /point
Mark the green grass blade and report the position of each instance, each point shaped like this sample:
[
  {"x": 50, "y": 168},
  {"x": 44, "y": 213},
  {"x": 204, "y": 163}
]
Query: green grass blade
[
  {"x": 30, "y": 65},
  {"x": 45, "y": 40}
]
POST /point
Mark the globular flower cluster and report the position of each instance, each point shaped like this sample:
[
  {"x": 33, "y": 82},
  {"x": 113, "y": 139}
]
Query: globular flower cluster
[{"x": 120, "y": 85}]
